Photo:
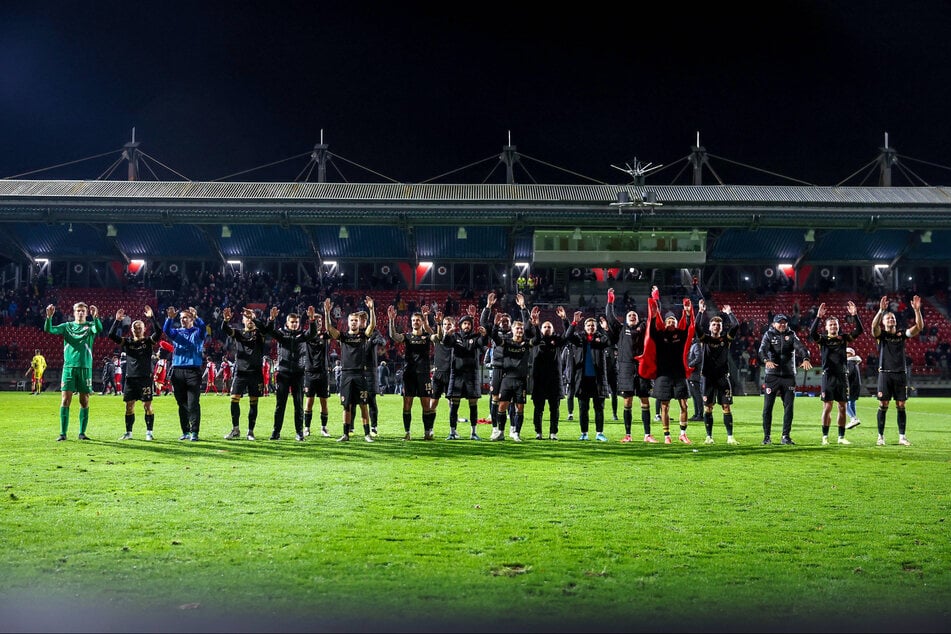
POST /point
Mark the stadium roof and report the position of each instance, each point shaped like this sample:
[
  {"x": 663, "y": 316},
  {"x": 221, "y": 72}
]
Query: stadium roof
[{"x": 220, "y": 220}]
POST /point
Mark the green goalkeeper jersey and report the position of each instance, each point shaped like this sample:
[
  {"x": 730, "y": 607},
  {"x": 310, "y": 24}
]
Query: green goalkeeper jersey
[{"x": 77, "y": 340}]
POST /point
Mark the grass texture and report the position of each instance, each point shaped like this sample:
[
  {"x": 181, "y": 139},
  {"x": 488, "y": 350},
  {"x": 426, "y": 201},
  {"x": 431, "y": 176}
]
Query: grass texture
[{"x": 240, "y": 536}]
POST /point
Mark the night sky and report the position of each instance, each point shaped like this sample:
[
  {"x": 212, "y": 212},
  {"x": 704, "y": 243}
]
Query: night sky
[{"x": 409, "y": 92}]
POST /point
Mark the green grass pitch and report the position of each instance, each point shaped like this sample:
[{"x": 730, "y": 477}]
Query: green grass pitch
[{"x": 232, "y": 536}]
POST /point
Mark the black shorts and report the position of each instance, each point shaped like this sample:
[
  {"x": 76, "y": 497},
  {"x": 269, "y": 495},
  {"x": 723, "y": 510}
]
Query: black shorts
[
  {"x": 513, "y": 389},
  {"x": 670, "y": 389},
  {"x": 496, "y": 384},
  {"x": 137, "y": 389},
  {"x": 442, "y": 384},
  {"x": 417, "y": 384},
  {"x": 251, "y": 383},
  {"x": 892, "y": 385},
  {"x": 316, "y": 385},
  {"x": 465, "y": 384},
  {"x": 834, "y": 388},
  {"x": 353, "y": 390},
  {"x": 635, "y": 386},
  {"x": 717, "y": 391}
]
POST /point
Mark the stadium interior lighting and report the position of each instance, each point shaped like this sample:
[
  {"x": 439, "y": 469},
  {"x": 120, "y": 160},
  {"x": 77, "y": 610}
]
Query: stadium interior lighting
[
  {"x": 462, "y": 234},
  {"x": 810, "y": 235},
  {"x": 926, "y": 237},
  {"x": 225, "y": 231},
  {"x": 42, "y": 260},
  {"x": 111, "y": 231},
  {"x": 234, "y": 262},
  {"x": 344, "y": 234},
  {"x": 881, "y": 266},
  {"x": 70, "y": 228},
  {"x": 577, "y": 234}
]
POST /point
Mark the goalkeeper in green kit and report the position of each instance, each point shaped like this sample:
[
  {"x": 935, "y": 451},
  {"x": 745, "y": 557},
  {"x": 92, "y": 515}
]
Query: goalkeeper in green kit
[{"x": 78, "y": 336}]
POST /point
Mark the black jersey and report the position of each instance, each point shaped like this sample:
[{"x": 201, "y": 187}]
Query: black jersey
[
  {"x": 315, "y": 355},
  {"x": 442, "y": 356},
  {"x": 353, "y": 351},
  {"x": 248, "y": 348},
  {"x": 716, "y": 350},
  {"x": 138, "y": 353},
  {"x": 834, "y": 357},
  {"x": 515, "y": 354},
  {"x": 417, "y": 350},
  {"x": 891, "y": 351}
]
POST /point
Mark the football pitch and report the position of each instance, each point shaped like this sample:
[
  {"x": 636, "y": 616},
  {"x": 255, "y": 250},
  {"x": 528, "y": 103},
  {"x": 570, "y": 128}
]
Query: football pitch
[{"x": 415, "y": 536}]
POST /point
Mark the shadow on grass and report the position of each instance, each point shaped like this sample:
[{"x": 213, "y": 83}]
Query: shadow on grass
[{"x": 385, "y": 447}]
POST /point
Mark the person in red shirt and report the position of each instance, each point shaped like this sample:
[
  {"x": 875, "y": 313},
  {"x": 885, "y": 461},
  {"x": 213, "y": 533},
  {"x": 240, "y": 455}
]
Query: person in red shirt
[
  {"x": 266, "y": 368},
  {"x": 225, "y": 373},
  {"x": 211, "y": 372}
]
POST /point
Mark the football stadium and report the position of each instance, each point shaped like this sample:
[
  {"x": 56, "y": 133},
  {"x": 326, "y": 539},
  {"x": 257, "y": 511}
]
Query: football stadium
[{"x": 157, "y": 512}]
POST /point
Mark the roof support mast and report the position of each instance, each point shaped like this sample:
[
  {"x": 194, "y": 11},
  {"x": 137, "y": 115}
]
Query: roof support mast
[
  {"x": 320, "y": 155},
  {"x": 510, "y": 158},
  {"x": 886, "y": 159},
  {"x": 131, "y": 153}
]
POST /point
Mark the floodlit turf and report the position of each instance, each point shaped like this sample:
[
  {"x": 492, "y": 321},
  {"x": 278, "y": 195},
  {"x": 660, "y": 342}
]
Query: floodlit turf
[{"x": 217, "y": 535}]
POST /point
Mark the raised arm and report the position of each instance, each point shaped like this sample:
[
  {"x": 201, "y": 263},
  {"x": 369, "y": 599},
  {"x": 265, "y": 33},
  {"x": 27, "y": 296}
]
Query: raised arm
[
  {"x": 371, "y": 319},
  {"x": 116, "y": 325},
  {"x": 820, "y": 315},
  {"x": 328, "y": 320},
  {"x": 919, "y": 321},
  {"x": 877, "y": 319},
  {"x": 397, "y": 337},
  {"x": 857, "y": 328}
]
